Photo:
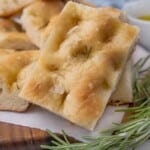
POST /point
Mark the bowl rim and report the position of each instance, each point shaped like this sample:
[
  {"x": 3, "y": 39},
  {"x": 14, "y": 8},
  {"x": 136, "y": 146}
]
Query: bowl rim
[
  {"x": 134, "y": 18},
  {"x": 138, "y": 20}
]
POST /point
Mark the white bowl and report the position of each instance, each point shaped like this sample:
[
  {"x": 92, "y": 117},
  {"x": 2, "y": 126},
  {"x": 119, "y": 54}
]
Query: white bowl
[{"x": 135, "y": 10}]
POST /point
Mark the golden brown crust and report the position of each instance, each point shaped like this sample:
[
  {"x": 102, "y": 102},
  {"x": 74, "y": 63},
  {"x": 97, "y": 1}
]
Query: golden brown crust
[
  {"x": 10, "y": 7},
  {"x": 12, "y": 36},
  {"x": 34, "y": 22},
  {"x": 19, "y": 59},
  {"x": 13, "y": 71},
  {"x": 80, "y": 64},
  {"x": 15, "y": 40},
  {"x": 47, "y": 30}
]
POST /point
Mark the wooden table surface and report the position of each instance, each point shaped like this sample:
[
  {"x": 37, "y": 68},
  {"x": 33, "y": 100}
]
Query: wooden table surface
[{"x": 14, "y": 137}]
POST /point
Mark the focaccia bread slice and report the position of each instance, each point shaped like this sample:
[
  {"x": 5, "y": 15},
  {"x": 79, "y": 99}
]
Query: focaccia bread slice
[
  {"x": 12, "y": 36},
  {"x": 10, "y": 7},
  {"x": 34, "y": 22},
  {"x": 13, "y": 66},
  {"x": 80, "y": 64}
]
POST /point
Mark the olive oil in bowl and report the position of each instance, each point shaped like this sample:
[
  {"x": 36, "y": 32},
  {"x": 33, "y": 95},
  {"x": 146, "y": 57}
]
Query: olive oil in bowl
[{"x": 145, "y": 18}]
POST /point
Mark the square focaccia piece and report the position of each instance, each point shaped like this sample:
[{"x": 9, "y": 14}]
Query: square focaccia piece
[{"x": 80, "y": 64}]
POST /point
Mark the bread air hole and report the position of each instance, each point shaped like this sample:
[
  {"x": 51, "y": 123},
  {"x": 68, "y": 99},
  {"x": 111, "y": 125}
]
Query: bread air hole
[
  {"x": 53, "y": 68},
  {"x": 1, "y": 90},
  {"x": 106, "y": 84},
  {"x": 83, "y": 52}
]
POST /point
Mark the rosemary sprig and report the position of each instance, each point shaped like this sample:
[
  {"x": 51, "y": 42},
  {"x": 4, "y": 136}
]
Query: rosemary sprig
[{"x": 122, "y": 136}]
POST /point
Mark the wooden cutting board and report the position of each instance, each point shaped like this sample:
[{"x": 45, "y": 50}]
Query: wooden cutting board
[{"x": 14, "y": 137}]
